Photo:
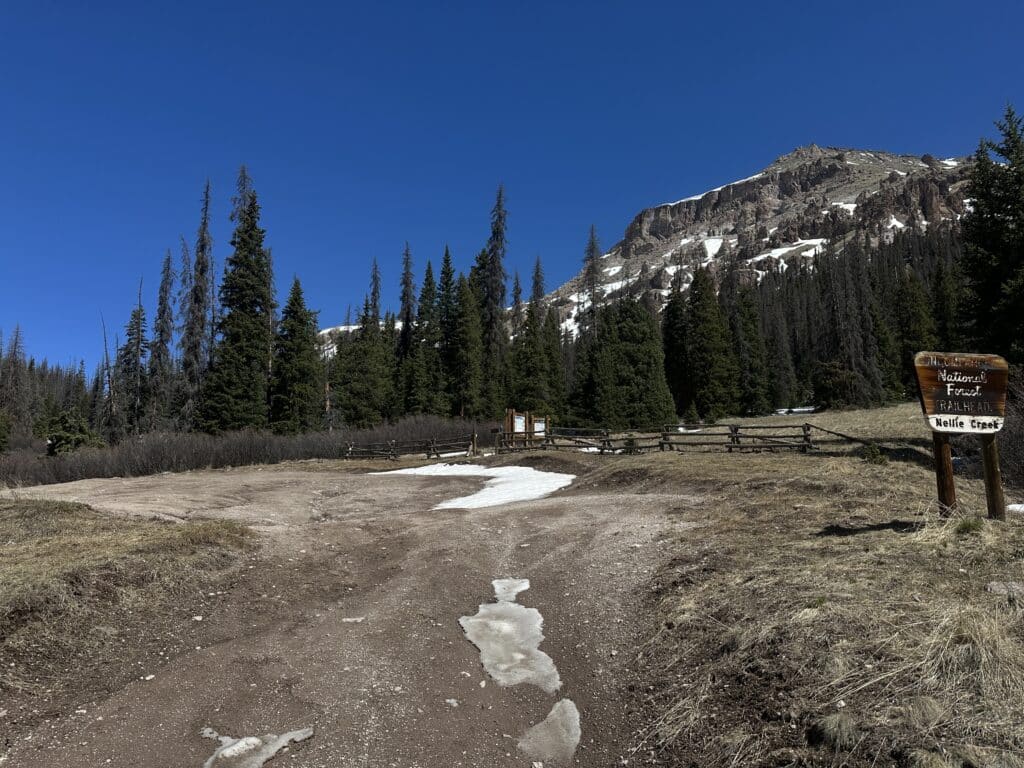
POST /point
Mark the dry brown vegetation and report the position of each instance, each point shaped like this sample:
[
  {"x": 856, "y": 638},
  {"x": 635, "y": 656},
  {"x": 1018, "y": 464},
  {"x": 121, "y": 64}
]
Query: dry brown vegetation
[
  {"x": 827, "y": 615},
  {"x": 179, "y": 452},
  {"x": 79, "y": 589}
]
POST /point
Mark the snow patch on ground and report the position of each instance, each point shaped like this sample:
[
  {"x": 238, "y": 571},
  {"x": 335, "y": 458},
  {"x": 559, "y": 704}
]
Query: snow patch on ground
[
  {"x": 506, "y": 486},
  {"x": 713, "y": 245},
  {"x": 950, "y": 162},
  {"x": 1018, "y": 508},
  {"x": 250, "y": 751},
  {"x": 509, "y": 636},
  {"x": 505, "y": 590},
  {"x": 895, "y": 223},
  {"x": 569, "y": 325},
  {"x": 554, "y": 740},
  {"x": 848, "y": 207},
  {"x": 611, "y": 271},
  {"x": 613, "y": 287}
]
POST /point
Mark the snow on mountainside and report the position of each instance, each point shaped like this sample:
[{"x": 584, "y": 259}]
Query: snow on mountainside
[{"x": 788, "y": 212}]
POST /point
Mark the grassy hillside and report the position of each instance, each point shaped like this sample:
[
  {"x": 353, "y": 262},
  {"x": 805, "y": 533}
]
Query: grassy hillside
[{"x": 828, "y": 615}]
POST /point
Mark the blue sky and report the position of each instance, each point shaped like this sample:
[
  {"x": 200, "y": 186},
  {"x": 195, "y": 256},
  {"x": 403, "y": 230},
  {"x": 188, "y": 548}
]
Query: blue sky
[{"x": 365, "y": 125}]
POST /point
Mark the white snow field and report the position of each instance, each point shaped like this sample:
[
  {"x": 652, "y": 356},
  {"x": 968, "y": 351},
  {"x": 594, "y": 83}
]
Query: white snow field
[
  {"x": 507, "y": 484},
  {"x": 1018, "y": 508}
]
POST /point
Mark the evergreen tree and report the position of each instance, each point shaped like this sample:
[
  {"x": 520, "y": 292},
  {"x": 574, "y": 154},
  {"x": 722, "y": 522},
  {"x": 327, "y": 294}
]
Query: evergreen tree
[
  {"x": 916, "y": 325},
  {"x": 492, "y": 311},
  {"x": 161, "y": 364},
  {"x": 709, "y": 350},
  {"x": 429, "y": 391},
  {"x": 621, "y": 383},
  {"x": 408, "y": 366},
  {"x": 555, "y": 362},
  {"x": 517, "y": 304},
  {"x": 130, "y": 373},
  {"x": 673, "y": 336},
  {"x": 591, "y": 278},
  {"x": 407, "y": 307},
  {"x": 234, "y": 393},
  {"x": 365, "y": 375},
  {"x": 946, "y": 294},
  {"x": 644, "y": 396},
  {"x": 529, "y": 375},
  {"x": 993, "y": 230},
  {"x": 467, "y": 351},
  {"x": 537, "y": 282},
  {"x": 447, "y": 304},
  {"x": 778, "y": 351},
  {"x": 15, "y": 386},
  {"x": 296, "y": 381},
  {"x": 195, "y": 336},
  {"x": 754, "y": 379}
]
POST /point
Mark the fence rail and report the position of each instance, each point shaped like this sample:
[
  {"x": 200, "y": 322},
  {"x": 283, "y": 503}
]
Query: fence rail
[
  {"x": 678, "y": 437},
  {"x": 432, "y": 448},
  {"x": 730, "y": 438}
]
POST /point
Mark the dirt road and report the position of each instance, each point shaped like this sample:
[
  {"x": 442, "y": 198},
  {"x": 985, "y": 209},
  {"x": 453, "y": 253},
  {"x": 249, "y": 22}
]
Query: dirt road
[{"x": 347, "y": 622}]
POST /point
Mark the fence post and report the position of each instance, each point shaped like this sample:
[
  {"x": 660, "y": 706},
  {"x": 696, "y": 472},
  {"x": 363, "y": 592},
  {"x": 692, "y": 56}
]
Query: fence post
[
  {"x": 472, "y": 445},
  {"x": 944, "y": 473},
  {"x": 734, "y": 436},
  {"x": 432, "y": 449},
  {"x": 808, "y": 445},
  {"x": 993, "y": 480},
  {"x": 391, "y": 450}
]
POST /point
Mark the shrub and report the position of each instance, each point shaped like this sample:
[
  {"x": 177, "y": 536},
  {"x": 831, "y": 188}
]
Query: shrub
[
  {"x": 178, "y": 452},
  {"x": 5, "y": 431},
  {"x": 69, "y": 432}
]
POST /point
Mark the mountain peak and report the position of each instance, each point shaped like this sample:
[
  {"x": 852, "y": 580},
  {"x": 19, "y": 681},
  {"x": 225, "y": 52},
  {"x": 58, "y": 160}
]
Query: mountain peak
[{"x": 787, "y": 212}]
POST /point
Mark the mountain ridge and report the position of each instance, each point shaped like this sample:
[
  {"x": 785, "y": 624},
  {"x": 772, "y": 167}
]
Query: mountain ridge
[{"x": 790, "y": 210}]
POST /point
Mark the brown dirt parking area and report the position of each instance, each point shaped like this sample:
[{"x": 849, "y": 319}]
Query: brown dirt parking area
[{"x": 343, "y": 617}]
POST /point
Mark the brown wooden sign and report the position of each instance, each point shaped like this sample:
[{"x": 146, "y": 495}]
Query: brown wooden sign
[{"x": 962, "y": 392}]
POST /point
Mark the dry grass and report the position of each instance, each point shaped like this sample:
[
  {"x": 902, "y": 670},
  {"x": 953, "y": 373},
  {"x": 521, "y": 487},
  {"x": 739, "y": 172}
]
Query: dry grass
[
  {"x": 828, "y": 616},
  {"x": 67, "y": 571}
]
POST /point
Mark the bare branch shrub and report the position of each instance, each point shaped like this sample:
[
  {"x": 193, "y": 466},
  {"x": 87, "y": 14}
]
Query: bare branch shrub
[{"x": 177, "y": 452}]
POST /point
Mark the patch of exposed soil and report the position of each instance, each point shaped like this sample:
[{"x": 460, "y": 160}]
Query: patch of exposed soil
[{"x": 346, "y": 622}]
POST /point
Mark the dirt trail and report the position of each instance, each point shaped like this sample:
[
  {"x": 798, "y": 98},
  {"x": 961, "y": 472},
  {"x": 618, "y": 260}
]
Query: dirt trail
[{"x": 348, "y": 624}]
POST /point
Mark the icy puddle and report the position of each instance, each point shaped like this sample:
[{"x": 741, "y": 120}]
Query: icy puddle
[
  {"x": 554, "y": 741},
  {"x": 250, "y": 751},
  {"x": 509, "y": 636},
  {"x": 506, "y": 484}
]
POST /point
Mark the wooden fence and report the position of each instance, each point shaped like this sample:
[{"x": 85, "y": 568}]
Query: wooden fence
[
  {"x": 678, "y": 437},
  {"x": 729, "y": 438},
  {"x": 431, "y": 449}
]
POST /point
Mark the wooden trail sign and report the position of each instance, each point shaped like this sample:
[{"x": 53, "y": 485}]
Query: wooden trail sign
[{"x": 964, "y": 394}]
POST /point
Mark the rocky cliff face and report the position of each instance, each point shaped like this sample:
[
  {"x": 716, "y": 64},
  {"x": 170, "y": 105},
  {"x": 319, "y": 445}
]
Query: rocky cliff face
[{"x": 788, "y": 211}]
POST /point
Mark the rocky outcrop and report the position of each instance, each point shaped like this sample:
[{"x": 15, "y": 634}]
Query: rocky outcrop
[{"x": 789, "y": 210}]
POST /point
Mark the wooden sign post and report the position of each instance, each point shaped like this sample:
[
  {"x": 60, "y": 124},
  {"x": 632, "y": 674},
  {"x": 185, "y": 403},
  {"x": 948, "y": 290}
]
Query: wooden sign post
[{"x": 964, "y": 394}]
